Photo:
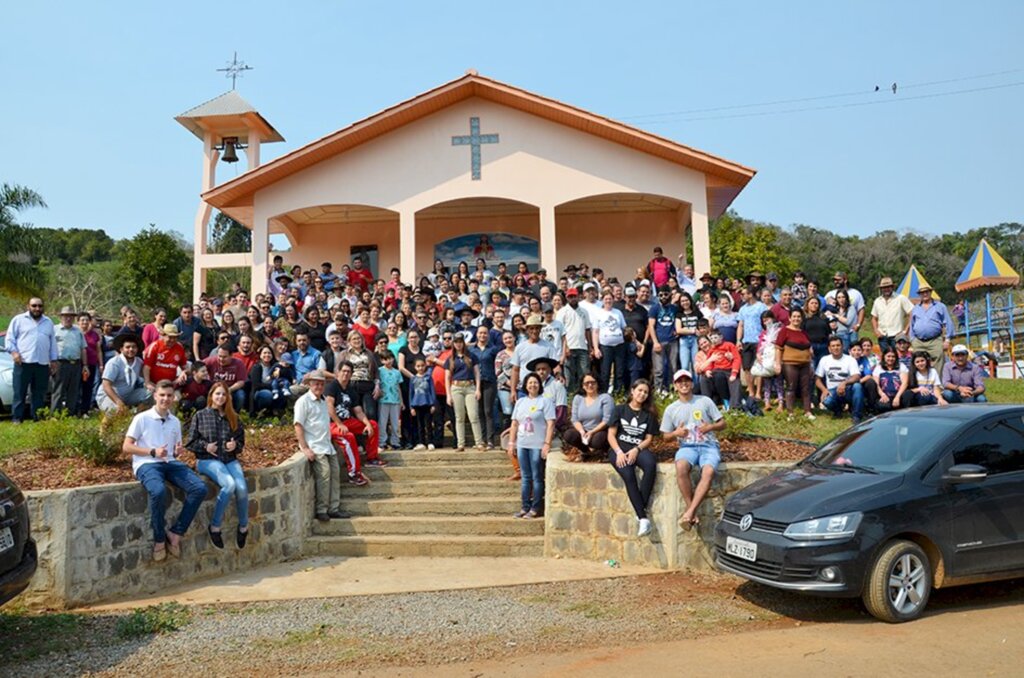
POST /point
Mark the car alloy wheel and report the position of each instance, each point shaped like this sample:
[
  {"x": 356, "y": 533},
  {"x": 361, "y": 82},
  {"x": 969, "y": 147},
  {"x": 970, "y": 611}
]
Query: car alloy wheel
[{"x": 899, "y": 583}]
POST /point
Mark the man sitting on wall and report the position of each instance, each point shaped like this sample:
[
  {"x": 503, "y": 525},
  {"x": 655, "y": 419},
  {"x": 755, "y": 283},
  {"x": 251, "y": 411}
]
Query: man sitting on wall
[{"x": 154, "y": 441}]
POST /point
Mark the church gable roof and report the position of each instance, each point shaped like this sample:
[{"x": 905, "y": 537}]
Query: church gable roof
[{"x": 725, "y": 178}]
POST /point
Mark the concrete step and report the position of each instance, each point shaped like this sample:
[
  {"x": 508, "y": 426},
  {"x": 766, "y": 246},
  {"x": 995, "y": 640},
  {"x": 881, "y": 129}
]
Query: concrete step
[
  {"x": 434, "y": 488},
  {"x": 449, "y": 505},
  {"x": 420, "y": 545},
  {"x": 440, "y": 471},
  {"x": 430, "y": 526},
  {"x": 449, "y": 456}
]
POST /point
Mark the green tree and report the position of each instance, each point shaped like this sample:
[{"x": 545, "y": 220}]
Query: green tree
[
  {"x": 154, "y": 269},
  {"x": 19, "y": 244},
  {"x": 228, "y": 235}
]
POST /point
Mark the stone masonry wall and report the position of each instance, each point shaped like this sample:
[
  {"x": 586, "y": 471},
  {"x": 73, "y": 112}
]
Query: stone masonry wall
[
  {"x": 95, "y": 543},
  {"x": 588, "y": 514}
]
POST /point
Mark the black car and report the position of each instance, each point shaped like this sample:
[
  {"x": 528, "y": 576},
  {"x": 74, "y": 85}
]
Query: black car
[
  {"x": 17, "y": 550},
  {"x": 914, "y": 499}
]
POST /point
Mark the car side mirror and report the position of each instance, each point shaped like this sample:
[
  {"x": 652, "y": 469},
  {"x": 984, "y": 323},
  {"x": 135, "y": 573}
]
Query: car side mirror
[{"x": 965, "y": 473}]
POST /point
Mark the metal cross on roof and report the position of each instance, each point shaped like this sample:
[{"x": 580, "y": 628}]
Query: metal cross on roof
[
  {"x": 474, "y": 139},
  {"x": 234, "y": 69}
]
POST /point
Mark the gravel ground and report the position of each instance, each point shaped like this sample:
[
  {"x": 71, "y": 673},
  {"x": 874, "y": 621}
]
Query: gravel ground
[
  {"x": 320, "y": 635},
  {"x": 454, "y": 628}
]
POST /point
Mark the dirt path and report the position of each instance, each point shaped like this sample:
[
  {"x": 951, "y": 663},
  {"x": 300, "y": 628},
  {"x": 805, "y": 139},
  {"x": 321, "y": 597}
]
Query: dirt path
[{"x": 972, "y": 632}]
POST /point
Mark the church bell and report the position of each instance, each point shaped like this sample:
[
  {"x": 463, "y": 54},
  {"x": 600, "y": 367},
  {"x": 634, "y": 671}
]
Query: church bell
[{"x": 230, "y": 155}]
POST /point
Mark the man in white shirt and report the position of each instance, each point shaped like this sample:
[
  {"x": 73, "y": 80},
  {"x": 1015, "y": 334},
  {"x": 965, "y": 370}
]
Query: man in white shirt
[
  {"x": 890, "y": 315},
  {"x": 154, "y": 441},
  {"x": 576, "y": 322},
  {"x": 313, "y": 433},
  {"x": 838, "y": 379}
]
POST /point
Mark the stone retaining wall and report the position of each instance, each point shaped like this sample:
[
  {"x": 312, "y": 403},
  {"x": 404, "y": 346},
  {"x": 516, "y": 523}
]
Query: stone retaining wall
[
  {"x": 95, "y": 543},
  {"x": 588, "y": 514}
]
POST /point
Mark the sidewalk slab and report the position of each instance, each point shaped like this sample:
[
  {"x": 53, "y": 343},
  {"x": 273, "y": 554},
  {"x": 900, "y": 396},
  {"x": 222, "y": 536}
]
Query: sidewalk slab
[{"x": 337, "y": 576}]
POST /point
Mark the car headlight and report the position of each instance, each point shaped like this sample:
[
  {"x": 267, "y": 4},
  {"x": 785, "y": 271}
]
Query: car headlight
[{"x": 841, "y": 526}]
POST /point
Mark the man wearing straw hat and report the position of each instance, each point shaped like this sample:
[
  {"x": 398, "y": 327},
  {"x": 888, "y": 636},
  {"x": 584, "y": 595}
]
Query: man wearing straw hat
[
  {"x": 890, "y": 315},
  {"x": 931, "y": 327},
  {"x": 72, "y": 365}
]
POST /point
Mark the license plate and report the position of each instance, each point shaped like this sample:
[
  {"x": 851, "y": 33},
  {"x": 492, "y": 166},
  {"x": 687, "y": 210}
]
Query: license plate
[
  {"x": 6, "y": 539},
  {"x": 747, "y": 550}
]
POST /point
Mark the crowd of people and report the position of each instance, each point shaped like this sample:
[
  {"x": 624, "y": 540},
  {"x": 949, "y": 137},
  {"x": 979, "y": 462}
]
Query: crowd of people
[{"x": 494, "y": 355}]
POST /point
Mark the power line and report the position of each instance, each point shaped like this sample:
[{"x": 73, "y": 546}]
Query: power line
[
  {"x": 889, "y": 100},
  {"x": 816, "y": 98}
]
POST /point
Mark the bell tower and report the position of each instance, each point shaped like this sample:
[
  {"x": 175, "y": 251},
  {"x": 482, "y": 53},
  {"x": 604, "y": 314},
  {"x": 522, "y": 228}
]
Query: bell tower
[{"x": 225, "y": 125}]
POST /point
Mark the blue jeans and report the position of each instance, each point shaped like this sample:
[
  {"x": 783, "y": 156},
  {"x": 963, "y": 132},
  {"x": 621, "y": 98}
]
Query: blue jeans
[
  {"x": 687, "y": 351},
  {"x": 854, "y": 397},
  {"x": 238, "y": 399},
  {"x": 154, "y": 477},
  {"x": 577, "y": 364},
  {"x": 531, "y": 466},
  {"x": 955, "y": 397},
  {"x": 263, "y": 401},
  {"x": 231, "y": 480}
]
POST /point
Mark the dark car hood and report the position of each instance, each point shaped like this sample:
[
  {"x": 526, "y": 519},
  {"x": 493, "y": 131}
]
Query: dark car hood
[{"x": 805, "y": 492}]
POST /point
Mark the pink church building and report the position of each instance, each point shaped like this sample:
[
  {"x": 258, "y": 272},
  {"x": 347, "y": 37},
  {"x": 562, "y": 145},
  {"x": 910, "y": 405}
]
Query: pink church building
[{"x": 473, "y": 167}]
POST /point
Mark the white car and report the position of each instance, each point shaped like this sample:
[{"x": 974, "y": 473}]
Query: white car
[{"x": 6, "y": 377}]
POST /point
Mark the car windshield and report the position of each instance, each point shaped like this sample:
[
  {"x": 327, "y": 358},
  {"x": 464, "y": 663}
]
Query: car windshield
[{"x": 886, "y": 445}]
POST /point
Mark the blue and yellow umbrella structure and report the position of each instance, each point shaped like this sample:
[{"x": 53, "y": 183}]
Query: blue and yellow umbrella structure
[
  {"x": 911, "y": 282},
  {"x": 987, "y": 270}
]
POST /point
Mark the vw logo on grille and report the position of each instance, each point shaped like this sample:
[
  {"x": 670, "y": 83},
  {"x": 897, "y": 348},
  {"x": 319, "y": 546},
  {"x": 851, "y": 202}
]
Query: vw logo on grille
[{"x": 746, "y": 521}]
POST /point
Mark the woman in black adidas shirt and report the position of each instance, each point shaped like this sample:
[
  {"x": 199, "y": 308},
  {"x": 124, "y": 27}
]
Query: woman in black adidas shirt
[{"x": 630, "y": 433}]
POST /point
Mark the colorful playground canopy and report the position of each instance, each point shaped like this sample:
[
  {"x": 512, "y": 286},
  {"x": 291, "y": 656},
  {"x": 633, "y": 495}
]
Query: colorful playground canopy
[
  {"x": 911, "y": 282},
  {"x": 986, "y": 269}
]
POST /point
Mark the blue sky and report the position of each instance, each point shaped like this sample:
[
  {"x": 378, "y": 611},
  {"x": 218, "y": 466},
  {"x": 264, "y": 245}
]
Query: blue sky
[{"x": 92, "y": 89}]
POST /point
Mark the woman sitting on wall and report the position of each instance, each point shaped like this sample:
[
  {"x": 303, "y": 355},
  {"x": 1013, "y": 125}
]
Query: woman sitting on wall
[
  {"x": 217, "y": 437},
  {"x": 630, "y": 433}
]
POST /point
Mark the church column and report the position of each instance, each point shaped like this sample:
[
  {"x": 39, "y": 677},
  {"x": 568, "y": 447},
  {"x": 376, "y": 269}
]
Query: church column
[
  {"x": 407, "y": 244},
  {"x": 699, "y": 233},
  {"x": 548, "y": 257},
  {"x": 260, "y": 253},
  {"x": 199, "y": 238},
  {"x": 252, "y": 153}
]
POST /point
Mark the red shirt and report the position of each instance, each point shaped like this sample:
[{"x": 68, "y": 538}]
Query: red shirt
[
  {"x": 361, "y": 278},
  {"x": 369, "y": 334},
  {"x": 229, "y": 374},
  {"x": 164, "y": 361},
  {"x": 438, "y": 374},
  {"x": 247, "y": 360},
  {"x": 726, "y": 357}
]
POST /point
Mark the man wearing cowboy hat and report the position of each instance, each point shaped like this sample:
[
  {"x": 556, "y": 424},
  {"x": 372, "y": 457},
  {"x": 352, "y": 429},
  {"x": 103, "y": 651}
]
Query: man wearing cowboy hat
[
  {"x": 931, "y": 327},
  {"x": 165, "y": 359},
  {"x": 890, "y": 315},
  {"x": 72, "y": 366},
  {"x": 551, "y": 388},
  {"x": 123, "y": 387},
  {"x": 526, "y": 352}
]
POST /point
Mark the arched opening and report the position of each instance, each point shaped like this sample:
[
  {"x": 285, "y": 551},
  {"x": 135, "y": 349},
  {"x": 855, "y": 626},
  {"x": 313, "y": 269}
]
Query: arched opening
[
  {"x": 495, "y": 229},
  {"x": 338, "y": 234},
  {"x": 618, "y": 231}
]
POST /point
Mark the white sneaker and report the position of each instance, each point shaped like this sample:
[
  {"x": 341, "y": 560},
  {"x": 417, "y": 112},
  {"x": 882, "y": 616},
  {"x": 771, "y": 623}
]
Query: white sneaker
[
  {"x": 645, "y": 527},
  {"x": 810, "y": 416},
  {"x": 431, "y": 446},
  {"x": 421, "y": 446}
]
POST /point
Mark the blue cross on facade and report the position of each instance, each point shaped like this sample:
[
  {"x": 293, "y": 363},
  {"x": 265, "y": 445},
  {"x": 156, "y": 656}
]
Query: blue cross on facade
[{"x": 474, "y": 140}]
